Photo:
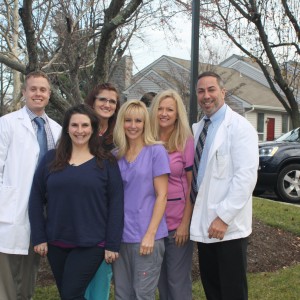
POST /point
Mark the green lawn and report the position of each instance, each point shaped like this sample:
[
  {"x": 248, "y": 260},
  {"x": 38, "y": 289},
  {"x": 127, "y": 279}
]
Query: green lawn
[
  {"x": 280, "y": 285},
  {"x": 277, "y": 214}
]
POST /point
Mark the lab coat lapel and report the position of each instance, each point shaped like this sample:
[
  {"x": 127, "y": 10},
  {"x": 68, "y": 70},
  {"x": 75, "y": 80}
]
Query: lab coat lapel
[{"x": 25, "y": 120}]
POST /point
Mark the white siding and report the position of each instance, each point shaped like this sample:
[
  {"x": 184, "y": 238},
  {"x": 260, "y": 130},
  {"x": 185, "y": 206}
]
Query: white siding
[
  {"x": 152, "y": 82},
  {"x": 248, "y": 70},
  {"x": 165, "y": 65},
  {"x": 252, "y": 118},
  {"x": 162, "y": 74}
]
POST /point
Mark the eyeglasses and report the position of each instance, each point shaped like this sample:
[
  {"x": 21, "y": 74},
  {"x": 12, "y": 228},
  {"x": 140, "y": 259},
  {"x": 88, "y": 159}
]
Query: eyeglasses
[{"x": 105, "y": 100}]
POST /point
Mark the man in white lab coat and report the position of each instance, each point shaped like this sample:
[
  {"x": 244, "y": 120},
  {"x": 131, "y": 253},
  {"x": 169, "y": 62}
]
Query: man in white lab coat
[
  {"x": 19, "y": 155},
  {"x": 225, "y": 179}
]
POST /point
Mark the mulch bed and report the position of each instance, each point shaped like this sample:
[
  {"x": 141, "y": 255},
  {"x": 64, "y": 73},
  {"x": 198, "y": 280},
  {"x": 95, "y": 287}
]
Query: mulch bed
[{"x": 269, "y": 249}]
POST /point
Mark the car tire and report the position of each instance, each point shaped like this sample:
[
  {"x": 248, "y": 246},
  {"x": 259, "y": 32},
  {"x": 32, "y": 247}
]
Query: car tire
[
  {"x": 257, "y": 193},
  {"x": 288, "y": 183}
]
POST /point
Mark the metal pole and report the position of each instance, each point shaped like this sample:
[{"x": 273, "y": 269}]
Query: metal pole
[{"x": 194, "y": 60}]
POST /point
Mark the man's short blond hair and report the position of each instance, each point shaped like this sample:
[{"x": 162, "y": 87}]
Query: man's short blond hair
[{"x": 35, "y": 74}]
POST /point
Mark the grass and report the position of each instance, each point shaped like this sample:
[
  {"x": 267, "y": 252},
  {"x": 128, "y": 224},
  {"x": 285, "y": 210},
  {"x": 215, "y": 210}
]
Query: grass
[
  {"x": 279, "y": 215},
  {"x": 283, "y": 284},
  {"x": 46, "y": 293},
  {"x": 279, "y": 285}
]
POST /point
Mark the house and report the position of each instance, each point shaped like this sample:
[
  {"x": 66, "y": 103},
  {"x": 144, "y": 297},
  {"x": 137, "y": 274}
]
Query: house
[
  {"x": 248, "y": 92},
  {"x": 266, "y": 111}
]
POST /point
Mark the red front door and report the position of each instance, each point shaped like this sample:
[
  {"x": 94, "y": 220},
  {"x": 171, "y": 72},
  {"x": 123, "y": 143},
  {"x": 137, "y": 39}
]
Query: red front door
[{"x": 270, "y": 129}]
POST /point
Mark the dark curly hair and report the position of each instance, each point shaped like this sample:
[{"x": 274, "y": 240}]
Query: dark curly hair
[{"x": 64, "y": 147}]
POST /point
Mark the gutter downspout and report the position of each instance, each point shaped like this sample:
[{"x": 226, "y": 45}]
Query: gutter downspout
[{"x": 251, "y": 110}]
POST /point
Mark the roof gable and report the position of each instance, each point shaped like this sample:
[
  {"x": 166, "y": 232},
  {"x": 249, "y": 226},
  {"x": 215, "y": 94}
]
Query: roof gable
[
  {"x": 170, "y": 72},
  {"x": 153, "y": 81},
  {"x": 250, "y": 68}
]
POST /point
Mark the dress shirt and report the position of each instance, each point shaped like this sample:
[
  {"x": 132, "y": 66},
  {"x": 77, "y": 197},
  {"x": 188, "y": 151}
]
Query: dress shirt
[
  {"x": 50, "y": 139},
  {"x": 216, "y": 120}
]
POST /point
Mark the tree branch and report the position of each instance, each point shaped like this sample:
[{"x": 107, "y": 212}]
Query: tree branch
[
  {"x": 292, "y": 19},
  {"x": 13, "y": 64},
  {"x": 113, "y": 19},
  {"x": 26, "y": 17},
  {"x": 286, "y": 44}
]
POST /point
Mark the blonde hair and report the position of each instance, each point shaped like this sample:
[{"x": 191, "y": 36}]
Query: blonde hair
[
  {"x": 181, "y": 132},
  {"x": 35, "y": 74},
  {"x": 120, "y": 140}
]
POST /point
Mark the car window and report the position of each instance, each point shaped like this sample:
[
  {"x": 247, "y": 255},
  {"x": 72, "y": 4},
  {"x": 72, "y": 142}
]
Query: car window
[{"x": 291, "y": 136}]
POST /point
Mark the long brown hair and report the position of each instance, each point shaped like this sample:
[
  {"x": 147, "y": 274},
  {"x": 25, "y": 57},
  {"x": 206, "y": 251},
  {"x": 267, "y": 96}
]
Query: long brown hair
[
  {"x": 90, "y": 100},
  {"x": 64, "y": 147}
]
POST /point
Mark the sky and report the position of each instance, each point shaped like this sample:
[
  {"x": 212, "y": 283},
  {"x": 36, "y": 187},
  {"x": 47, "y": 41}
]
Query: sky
[
  {"x": 157, "y": 45},
  {"x": 179, "y": 47}
]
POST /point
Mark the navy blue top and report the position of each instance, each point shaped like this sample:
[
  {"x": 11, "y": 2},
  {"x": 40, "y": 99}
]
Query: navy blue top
[{"x": 84, "y": 204}]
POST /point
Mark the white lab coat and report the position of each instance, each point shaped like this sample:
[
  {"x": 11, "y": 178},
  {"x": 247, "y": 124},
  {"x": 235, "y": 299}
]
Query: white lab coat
[
  {"x": 19, "y": 152},
  {"x": 229, "y": 180}
]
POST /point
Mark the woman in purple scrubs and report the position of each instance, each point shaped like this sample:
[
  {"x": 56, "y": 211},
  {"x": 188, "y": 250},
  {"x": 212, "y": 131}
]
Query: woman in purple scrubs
[{"x": 144, "y": 167}]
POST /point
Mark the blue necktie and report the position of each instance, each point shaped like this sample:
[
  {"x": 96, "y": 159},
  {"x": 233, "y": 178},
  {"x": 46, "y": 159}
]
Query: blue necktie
[
  {"x": 41, "y": 136},
  {"x": 197, "y": 158}
]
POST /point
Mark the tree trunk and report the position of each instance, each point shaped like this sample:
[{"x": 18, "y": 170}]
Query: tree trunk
[
  {"x": 26, "y": 17},
  {"x": 295, "y": 116}
]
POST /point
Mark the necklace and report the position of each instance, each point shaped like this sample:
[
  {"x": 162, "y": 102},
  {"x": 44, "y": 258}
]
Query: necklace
[
  {"x": 102, "y": 131},
  {"x": 132, "y": 155},
  {"x": 80, "y": 158}
]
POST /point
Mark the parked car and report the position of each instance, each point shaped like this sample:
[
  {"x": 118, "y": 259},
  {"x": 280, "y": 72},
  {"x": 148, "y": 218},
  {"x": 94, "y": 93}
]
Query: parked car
[{"x": 279, "y": 167}]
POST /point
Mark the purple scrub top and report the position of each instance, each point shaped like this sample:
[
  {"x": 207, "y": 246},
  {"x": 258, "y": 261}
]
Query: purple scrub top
[{"x": 139, "y": 192}]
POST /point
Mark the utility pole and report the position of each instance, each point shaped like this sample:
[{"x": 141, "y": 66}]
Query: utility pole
[{"x": 194, "y": 61}]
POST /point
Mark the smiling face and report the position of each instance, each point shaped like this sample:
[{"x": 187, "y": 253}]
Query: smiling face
[
  {"x": 105, "y": 109},
  {"x": 36, "y": 93},
  {"x": 167, "y": 113},
  {"x": 210, "y": 95},
  {"x": 80, "y": 130},
  {"x": 134, "y": 125}
]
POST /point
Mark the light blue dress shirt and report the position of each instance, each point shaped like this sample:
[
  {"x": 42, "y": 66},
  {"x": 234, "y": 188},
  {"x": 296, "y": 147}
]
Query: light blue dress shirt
[
  {"x": 50, "y": 139},
  {"x": 216, "y": 120}
]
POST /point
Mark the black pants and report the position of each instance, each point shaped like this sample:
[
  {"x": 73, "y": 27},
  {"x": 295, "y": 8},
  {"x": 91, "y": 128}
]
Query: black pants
[
  {"x": 223, "y": 268},
  {"x": 73, "y": 269}
]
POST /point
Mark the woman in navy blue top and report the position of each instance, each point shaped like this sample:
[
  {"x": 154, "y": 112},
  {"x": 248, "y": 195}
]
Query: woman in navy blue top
[{"x": 81, "y": 186}]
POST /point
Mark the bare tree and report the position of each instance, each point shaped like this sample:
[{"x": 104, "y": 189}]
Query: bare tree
[
  {"x": 5, "y": 83},
  {"x": 75, "y": 42},
  {"x": 9, "y": 42},
  {"x": 268, "y": 32},
  {"x": 78, "y": 43}
]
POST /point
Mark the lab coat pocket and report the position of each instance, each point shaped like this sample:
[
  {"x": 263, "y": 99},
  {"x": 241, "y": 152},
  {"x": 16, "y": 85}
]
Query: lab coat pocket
[
  {"x": 221, "y": 166},
  {"x": 8, "y": 202}
]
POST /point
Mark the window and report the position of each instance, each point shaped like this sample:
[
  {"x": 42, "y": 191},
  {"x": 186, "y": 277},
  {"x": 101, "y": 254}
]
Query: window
[
  {"x": 285, "y": 124},
  {"x": 260, "y": 126}
]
